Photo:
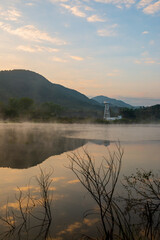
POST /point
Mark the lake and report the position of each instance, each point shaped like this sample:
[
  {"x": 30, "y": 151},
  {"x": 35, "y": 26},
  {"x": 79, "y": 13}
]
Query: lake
[{"x": 28, "y": 148}]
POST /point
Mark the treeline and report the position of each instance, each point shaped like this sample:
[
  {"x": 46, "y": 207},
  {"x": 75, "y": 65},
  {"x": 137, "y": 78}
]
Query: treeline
[
  {"x": 142, "y": 114},
  {"x": 26, "y": 108}
]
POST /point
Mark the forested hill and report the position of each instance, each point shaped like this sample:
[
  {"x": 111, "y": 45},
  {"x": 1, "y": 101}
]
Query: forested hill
[{"x": 24, "y": 83}]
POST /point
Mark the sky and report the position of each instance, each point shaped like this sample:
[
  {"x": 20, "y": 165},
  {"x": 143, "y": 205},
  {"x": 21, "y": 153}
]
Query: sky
[{"x": 97, "y": 47}]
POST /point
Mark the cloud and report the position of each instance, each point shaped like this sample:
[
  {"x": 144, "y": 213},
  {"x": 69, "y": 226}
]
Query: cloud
[
  {"x": 30, "y": 4},
  {"x": 114, "y": 73},
  {"x": 77, "y": 58},
  {"x": 57, "y": 179},
  {"x": 145, "y": 32},
  {"x": 25, "y": 188},
  {"x": 146, "y": 61},
  {"x": 95, "y": 18},
  {"x": 10, "y": 15},
  {"x": 152, "y": 8},
  {"x": 145, "y": 53},
  {"x": 149, "y": 7},
  {"x": 90, "y": 222},
  {"x": 71, "y": 228},
  {"x": 26, "y": 48},
  {"x": 137, "y": 61},
  {"x": 11, "y": 204},
  {"x": 74, "y": 10},
  {"x": 73, "y": 181},
  {"x": 108, "y": 31},
  {"x": 31, "y": 33},
  {"x": 118, "y": 3},
  {"x": 58, "y": 59},
  {"x": 87, "y": 8},
  {"x": 58, "y": 1},
  {"x": 58, "y": 197},
  {"x": 75, "y": 7},
  {"x": 52, "y": 189},
  {"x": 144, "y": 3},
  {"x": 149, "y": 61},
  {"x": 76, "y": 225},
  {"x": 36, "y": 49},
  {"x": 34, "y": 189}
]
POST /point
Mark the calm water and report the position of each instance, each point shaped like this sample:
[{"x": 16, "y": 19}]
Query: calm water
[{"x": 24, "y": 148}]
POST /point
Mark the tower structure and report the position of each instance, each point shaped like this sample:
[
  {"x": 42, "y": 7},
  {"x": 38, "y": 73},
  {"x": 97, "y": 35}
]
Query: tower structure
[{"x": 106, "y": 111}]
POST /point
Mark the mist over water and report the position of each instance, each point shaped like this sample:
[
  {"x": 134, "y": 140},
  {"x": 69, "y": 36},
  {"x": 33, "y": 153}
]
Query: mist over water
[{"x": 26, "y": 146}]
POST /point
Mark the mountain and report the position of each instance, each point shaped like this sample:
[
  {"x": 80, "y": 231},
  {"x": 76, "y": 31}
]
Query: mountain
[
  {"x": 24, "y": 83},
  {"x": 113, "y": 102}
]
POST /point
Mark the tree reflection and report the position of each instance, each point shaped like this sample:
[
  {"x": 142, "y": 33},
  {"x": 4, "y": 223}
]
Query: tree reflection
[{"x": 24, "y": 149}]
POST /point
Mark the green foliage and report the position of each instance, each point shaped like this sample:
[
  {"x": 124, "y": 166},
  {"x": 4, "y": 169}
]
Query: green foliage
[
  {"x": 25, "y": 108},
  {"x": 25, "y": 104},
  {"x": 1, "y": 106},
  {"x": 17, "y": 107},
  {"x": 143, "y": 114},
  {"x": 12, "y": 109},
  {"x": 1, "y": 109},
  {"x": 128, "y": 113},
  {"x": 47, "y": 111},
  {"x": 50, "y": 109}
]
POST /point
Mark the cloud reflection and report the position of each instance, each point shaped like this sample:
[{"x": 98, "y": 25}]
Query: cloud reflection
[{"x": 73, "y": 181}]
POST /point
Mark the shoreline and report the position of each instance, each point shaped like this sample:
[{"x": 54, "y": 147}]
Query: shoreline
[{"x": 80, "y": 121}]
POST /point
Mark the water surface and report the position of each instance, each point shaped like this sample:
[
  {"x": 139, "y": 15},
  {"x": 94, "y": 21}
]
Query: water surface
[{"x": 25, "y": 147}]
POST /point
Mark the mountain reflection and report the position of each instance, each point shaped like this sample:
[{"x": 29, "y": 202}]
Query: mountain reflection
[{"x": 24, "y": 149}]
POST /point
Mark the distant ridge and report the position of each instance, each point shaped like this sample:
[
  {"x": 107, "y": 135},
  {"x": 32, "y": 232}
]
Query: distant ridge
[
  {"x": 114, "y": 102},
  {"x": 25, "y": 83}
]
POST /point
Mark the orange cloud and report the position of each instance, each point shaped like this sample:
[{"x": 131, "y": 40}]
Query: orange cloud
[
  {"x": 71, "y": 228},
  {"x": 77, "y": 58},
  {"x": 152, "y": 8},
  {"x": 95, "y": 18},
  {"x": 30, "y": 32},
  {"x": 90, "y": 222},
  {"x": 57, "y": 179},
  {"x": 11, "y": 14},
  {"x": 36, "y": 49},
  {"x": 74, "y": 10},
  {"x": 73, "y": 181}
]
